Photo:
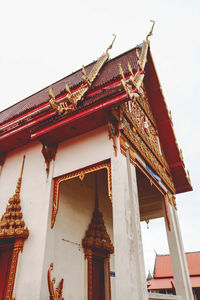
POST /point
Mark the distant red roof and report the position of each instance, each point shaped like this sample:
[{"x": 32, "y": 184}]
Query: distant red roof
[
  {"x": 163, "y": 267},
  {"x": 166, "y": 283},
  {"x": 163, "y": 275}
]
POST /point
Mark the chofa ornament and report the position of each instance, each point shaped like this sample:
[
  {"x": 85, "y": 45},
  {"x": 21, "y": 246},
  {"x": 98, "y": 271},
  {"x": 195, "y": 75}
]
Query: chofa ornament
[
  {"x": 70, "y": 101},
  {"x": 133, "y": 84}
]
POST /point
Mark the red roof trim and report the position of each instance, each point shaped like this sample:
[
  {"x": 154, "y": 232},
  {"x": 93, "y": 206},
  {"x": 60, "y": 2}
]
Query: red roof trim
[
  {"x": 165, "y": 128},
  {"x": 81, "y": 114}
]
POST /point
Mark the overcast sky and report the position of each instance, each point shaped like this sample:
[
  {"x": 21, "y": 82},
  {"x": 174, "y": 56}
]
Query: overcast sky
[{"x": 43, "y": 41}]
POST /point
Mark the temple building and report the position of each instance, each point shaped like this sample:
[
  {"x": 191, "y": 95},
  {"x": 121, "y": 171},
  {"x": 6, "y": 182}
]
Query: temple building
[
  {"x": 82, "y": 164},
  {"x": 162, "y": 280}
]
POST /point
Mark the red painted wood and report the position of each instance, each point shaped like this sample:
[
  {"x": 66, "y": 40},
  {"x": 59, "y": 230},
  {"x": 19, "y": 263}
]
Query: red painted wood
[
  {"x": 82, "y": 114},
  {"x": 5, "y": 260},
  {"x": 98, "y": 278}
]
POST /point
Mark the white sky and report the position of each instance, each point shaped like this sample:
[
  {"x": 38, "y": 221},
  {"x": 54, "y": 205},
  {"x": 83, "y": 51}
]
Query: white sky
[{"x": 43, "y": 41}]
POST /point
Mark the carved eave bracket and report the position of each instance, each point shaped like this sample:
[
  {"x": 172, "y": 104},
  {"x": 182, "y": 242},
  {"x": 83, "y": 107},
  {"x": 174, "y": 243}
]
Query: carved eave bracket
[
  {"x": 54, "y": 294},
  {"x": 2, "y": 158},
  {"x": 113, "y": 129},
  {"x": 49, "y": 153},
  {"x": 70, "y": 101}
]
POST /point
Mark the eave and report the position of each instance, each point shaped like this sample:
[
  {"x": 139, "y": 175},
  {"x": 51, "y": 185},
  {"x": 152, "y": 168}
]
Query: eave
[{"x": 50, "y": 128}]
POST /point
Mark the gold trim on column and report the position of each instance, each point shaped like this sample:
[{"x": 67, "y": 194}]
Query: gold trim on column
[
  {"x": 81, "y": 174},
  {"x": 166, "y": 200},
  {"x": 174, "y": 201},
  {"x": 124, "y": 148},
  {"x": 113, "y": 134}
]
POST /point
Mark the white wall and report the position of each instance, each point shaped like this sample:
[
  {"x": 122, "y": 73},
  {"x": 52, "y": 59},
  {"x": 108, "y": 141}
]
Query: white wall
[
  {"x": 41, "y": 248},
  {"x": 79, "y": 152},
  {"x": 83, "y": 151},
  {"x": 75, "y": 213},
  {"x": 35, "y": 204}
]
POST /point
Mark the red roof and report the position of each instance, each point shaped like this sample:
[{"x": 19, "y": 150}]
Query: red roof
[
  {"x": 166, "y": 283},
  {"x": 109, "y": 73},
  {"x": 163, "y": 267},
  {"x": 34, "y": 118}
]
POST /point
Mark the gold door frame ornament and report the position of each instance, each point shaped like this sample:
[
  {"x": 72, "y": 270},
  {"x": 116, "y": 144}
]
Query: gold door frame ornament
[
  {"x": 17, "y": 248},
  {"x": 81, "y": 174}
]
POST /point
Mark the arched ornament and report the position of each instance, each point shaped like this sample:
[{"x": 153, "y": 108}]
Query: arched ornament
[{"x": 81, "y": 174}]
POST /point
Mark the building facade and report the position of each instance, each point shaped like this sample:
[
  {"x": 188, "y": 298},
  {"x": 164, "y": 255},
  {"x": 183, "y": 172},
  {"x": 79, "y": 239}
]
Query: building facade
[{"x": 86, "y": 161}]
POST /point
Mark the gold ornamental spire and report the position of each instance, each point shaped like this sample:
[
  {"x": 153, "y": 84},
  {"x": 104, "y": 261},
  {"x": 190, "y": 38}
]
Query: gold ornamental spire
[
  {"x": 18, "y": 186},
  {"x": 96, "y": 236},
  {"x": 96, "y": 193},
  {"x": 11, "y": 223}
]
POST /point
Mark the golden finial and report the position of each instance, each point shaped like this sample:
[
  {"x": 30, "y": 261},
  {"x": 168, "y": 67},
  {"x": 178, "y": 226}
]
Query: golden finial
[
  {"x": 110, "y": 47},
  {"x": 151, "y": 31},
  {"x": 85, "y": 77},
  {"x": 96, "y": 192},
  {"x": 51, "y": 93},
  {"x": 18, "y": 187},
  {"x": 181, "y": 154},
  {"x": 188, "y": 177},
  {"x": 121, "y": 72},
  {"x": 67, "y": 88},
  {"x": 130, "y": 69}
]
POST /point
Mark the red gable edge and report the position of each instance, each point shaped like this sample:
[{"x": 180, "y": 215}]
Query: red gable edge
[
  {"x": 99, "y": 98},
  {"x": 165, "y": 128}
]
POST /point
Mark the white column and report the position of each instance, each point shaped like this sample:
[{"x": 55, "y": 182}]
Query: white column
[
  {"x": 177, "y": 254},
  {"x": 129, "y": 261}
]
